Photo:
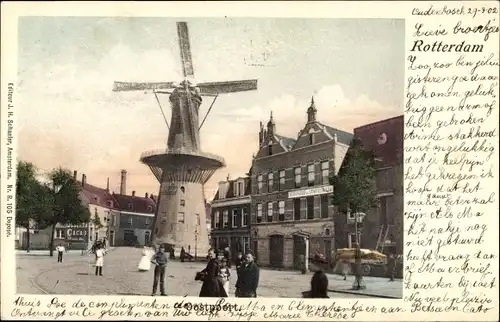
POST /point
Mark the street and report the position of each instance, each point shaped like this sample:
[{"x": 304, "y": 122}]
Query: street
[{"x": 38, "y": 274}]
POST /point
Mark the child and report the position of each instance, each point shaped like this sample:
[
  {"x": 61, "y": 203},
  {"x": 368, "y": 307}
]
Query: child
[{"x": 225, "y": 275}]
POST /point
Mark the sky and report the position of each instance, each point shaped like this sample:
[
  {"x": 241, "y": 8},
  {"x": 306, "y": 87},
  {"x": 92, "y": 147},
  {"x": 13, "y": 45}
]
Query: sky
[{"x": 69, "y": 116}]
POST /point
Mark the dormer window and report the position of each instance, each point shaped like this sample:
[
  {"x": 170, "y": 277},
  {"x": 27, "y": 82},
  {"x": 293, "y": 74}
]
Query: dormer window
[
  {"x": 236, "y": 192},
  {"x": 241, "y": 188},
  {"x": 150, "y": 208},
  {"x": 109, "y": 203},
  {"x": 222, "y": 190},
  {"x": 131, "y": 206},
  {"x": 270, "y": 148}
]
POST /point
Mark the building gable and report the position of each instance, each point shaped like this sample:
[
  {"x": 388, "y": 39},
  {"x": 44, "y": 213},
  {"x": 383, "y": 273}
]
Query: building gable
[{"x": 312, "y": 133}]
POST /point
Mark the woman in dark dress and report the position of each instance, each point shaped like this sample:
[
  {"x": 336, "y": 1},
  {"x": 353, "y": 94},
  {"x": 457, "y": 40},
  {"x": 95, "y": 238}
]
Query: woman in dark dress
[
  {"x": 212, "y": 284},
  {"x": 319, "y": 286}
]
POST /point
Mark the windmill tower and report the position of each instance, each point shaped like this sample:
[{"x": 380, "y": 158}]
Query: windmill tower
[{"x": 183, "y": 169}]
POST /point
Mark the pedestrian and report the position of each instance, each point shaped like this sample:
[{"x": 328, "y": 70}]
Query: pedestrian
[
  {"x": 225, "y": 274},
  {"x": 182, "y": 255},
  {"x": 391, "y": 267},
  {"x": 248, "y": 278},
  {"x": 212, "y": 283},
  {"x": 239, "y": 260},
  {"x": 319, "y": 286},
  {"x": 145, "y": 262},
  {"x": 99, "y": 263},
  {"x": 227, "y": 256},
  {"x": 60, "y": 252},
  {"x": 160, "y": 260},
  {"x": 344, "y": 268}
]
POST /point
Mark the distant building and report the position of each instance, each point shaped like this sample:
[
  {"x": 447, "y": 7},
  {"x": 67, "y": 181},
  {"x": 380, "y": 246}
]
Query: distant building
[
  {"x": 124, "y": 220},
  {"x": 230, "y": 216},
  {"x": 208, "y": 220},
  {"x": 291, "y": 206},
  {"x": 136, "y": 217},
  {"x": 382, "y": 227}
]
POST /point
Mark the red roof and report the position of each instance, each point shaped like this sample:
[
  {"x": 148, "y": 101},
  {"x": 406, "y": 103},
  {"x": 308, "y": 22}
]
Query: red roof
[
  {"x": 135, "y": 203},
  {"x": 385, "y": 138},
  {"x": 98, "y": 196}
]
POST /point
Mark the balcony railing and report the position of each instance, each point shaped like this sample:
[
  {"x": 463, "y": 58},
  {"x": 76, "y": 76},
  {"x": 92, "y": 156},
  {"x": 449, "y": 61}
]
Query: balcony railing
[{"x": 181, "y": 151}]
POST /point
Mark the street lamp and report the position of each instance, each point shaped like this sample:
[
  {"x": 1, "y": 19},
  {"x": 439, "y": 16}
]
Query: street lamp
[
  {"x": 358, "y": 283},
  {"x": 196, "y": 237},
  {"x": 358, "y": 217}
]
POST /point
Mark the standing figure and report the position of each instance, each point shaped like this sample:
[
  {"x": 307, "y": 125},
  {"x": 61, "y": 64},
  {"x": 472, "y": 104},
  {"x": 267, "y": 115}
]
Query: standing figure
[
  {"x": 99, "y": 263},
  {"x": 159, "y": 259},
  {"x": 212, "y": 284},
  {"x": 239, "y": 260},
  {"x": 391, "y": 267},
  {"x": 344, "y": 268},
  {"x": 227, "y": 256},
  {"x": 182, "y": 255},
  {"x": 225, "y": 275},
  {"x": 60, "y": 252},
  {"x": 145, "y": 262},
  {"x": 319, "y": 286},
  {"x": 248, "y": 278}
]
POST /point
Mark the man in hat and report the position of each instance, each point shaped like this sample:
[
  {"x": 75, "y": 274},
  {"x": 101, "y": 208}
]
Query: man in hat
[{"x": 248, "y": 278}]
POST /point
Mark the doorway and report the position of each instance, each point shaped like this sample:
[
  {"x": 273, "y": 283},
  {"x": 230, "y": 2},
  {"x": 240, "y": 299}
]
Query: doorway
[
  {"x": 146, "y": 238},
  {"x": 299, "y": 251},
  {"x": 328, "y": 252},
  {"x": 276, "y": 251},
  {"x": 112, "y": 238}
]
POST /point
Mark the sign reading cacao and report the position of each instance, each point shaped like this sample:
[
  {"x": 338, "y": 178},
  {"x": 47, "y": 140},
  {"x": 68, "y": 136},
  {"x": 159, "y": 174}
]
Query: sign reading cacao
[{"x": 76, "y": 233}]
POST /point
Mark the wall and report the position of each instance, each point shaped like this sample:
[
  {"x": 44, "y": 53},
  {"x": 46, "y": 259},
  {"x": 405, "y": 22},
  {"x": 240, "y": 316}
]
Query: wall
[
  {"x": 317, "y": 229},
  {"x": 239, "y": 208}
]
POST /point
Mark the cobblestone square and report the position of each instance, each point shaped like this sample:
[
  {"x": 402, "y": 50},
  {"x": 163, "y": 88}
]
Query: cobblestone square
[{"x": 38, "y": 274}]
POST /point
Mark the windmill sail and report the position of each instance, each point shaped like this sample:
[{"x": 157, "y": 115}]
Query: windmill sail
[
  {"x": 137, "y": 86},
  {"x": 228, "y": 87},
  {"x": 185, "y": 49}
]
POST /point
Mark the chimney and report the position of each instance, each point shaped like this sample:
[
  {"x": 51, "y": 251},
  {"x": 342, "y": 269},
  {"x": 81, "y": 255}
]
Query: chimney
[
  {"x": 133, "y": 193},
  {"x": 107, "y": 185},
  {"x": 123, "y": 183},
  {"x": 84, "y": 180},
  {"x": 146, "y": 195},
  {"x": 75, "y": 173}
]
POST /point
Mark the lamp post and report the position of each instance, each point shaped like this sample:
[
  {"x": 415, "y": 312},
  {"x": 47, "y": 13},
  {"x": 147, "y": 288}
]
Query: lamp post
[
  {"x": 196, "y": 237},
  {"x": 358, "y": 283},
  {"x": 195, "y": 244}
]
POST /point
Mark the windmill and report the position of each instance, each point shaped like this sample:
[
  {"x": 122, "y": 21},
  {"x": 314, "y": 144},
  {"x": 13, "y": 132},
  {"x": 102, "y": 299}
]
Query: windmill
[{"x": 182, "y": 169}]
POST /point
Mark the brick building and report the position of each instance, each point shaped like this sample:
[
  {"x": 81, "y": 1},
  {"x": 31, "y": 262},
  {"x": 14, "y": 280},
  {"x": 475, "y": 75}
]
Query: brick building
[
  {"x": 382, "y": 225},
  {"x": 230, "y": 216},
  {"x": 135, "y": 217},
  {"x": 291, "y": 207},
  {"x": 125, "y": 220}
]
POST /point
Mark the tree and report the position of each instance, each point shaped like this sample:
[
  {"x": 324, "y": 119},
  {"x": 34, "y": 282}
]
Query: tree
[
  {"x": 32, "y": 200},
  {"x": 66, "y": 205},
  {"x": 354, "y": 185},
  {"x": 355, "y": 189}
]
